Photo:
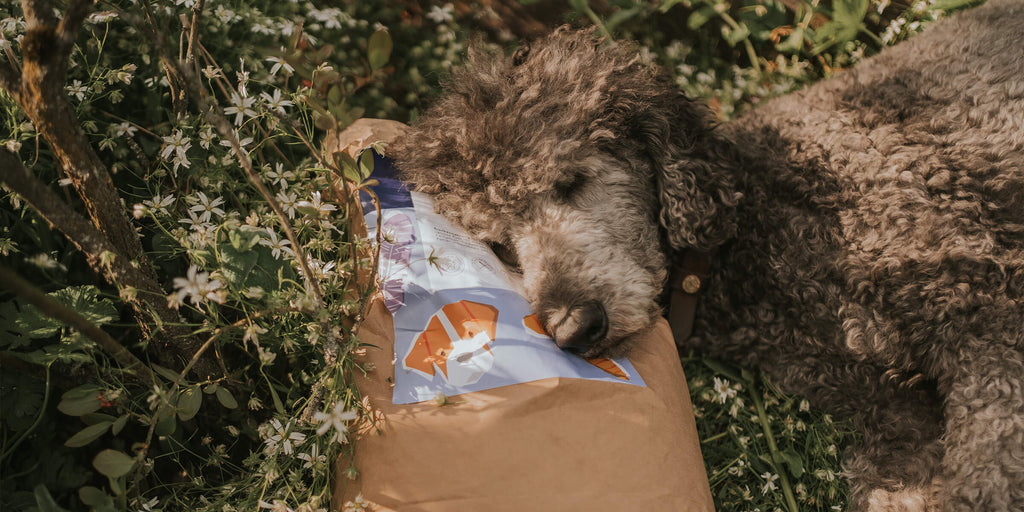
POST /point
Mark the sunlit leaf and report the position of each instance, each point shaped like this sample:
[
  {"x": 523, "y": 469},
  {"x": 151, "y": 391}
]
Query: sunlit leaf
[
  {"x": 379, "y": 49},
  {"x": 113, "y": 463}
]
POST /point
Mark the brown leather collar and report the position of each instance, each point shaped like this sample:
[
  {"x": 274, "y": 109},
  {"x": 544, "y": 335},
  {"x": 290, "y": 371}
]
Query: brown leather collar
[{"x": 686, "y": 279}]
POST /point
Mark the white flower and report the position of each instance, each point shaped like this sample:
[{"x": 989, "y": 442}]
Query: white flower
[
  {"x": 283, "y": 438},
  {"x": 723, "y": 391},
  {"x": 276, "y": 245},
  {"x": 242, "y": 143},
  {"x": 211, "y": 72},
  {"x": 206, "y": 137},
  {"x": 276, "y": 102},
  {"x": 206, "y": 207},
  {"x": 177, "y": 144},
  {"x": 252, "y": 332},
  {"x": 287, "y": 202},
  {"x": 279, "y": 63},
  {"x": 77, "y": 90},
  {"x": 241, "y": 106},
  {"x": 13, "y": 146},
  {"x": 313, "y": 458},
  {"x": 124, "y": 129},
  {"x": 330, "y": 17},
  {"x": 148, "y": 506},
  {"x": 358, "y": 504},
  {"x": 44, "y": 261},
  {"x": 441, "y": 15},
  {"x": 198, "y": 286},
  {"x": 317, "y": 204},
  {"x": 266, "y": 357},
  {"x": 769, "y": 482},
  {"x": 336, "y": 419},
  {"x": 226, "y": 15},
  {"x": 279, "y": 176},
  {"x": 276, "y": 506}
]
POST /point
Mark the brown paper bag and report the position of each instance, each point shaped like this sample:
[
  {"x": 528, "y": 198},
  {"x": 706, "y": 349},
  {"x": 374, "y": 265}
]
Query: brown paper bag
[{"x": 557, "y": 444}]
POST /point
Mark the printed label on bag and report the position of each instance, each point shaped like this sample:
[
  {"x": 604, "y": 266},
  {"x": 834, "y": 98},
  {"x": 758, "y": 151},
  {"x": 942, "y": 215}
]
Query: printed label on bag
[{"x": 460, "y": 326}]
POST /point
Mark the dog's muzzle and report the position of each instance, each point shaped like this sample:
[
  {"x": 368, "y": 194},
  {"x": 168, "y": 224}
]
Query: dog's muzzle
[{"x": 579, "y": 327}]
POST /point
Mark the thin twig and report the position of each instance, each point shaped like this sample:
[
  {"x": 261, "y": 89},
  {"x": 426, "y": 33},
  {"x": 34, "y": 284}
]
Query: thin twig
[
  {"x": 56, "y": 310},
  {"x": 100, "y": 253}
]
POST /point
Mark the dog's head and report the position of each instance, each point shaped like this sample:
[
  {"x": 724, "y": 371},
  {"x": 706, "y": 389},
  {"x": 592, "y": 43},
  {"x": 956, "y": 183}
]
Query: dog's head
[{"x": 582, "y": 167}]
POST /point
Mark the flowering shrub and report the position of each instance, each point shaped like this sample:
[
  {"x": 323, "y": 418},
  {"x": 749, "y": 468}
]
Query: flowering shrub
[{"x": 207, "y": 117}]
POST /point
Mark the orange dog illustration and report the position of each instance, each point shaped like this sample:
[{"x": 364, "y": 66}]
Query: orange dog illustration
[
  {"x": 609, "y": 366},
  {"x": 456, "y": 341}
]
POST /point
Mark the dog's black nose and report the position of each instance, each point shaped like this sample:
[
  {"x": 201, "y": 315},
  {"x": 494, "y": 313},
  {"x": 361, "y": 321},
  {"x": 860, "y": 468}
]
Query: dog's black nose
[{"x": 586, "y": 325}]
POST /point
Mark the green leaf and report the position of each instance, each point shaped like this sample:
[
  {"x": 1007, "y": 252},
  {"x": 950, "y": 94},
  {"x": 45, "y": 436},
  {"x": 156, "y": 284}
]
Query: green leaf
[
  {"x": 165, "y": 372},
  {"x": 23, "y": 323},
  {"x": 278, "y": 404},
  {"x": 236, "y": 264},
  {"x": 87, "y": 435},
  {"x": 80, "y": 401},
  {"x": 119, "y": 424},
  {"x": 379, "y": 49},
  {"x": 113, "y": 463},
  {"x": 793, "y": 462},
  {"x": 225, "y": 398},
  {"x": 85, "y": 300},
  {"x": 189, "y": 401},
  {"x": 365, "y": 165},
  {"x": 253, "y": 267},
  {"x": 243, "y": 240},
  {"x": 847, "y": 20},
  {"x": 95, "y": 498},
  {"x": 165, "y": 426},
  {"x": 97, "y": 417},
  {"x": 44, "y": 501}
]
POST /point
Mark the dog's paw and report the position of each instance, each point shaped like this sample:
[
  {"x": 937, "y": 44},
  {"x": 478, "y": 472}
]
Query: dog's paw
[{"x": 915, "y": 499}]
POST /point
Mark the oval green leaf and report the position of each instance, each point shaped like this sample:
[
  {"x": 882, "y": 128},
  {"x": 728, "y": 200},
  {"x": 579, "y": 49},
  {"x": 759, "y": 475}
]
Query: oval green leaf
[
  {"x": 225, "y": 398},
  {"x": 112, "y": 463},
  {"x": 189, "y": 401},
  {"x": 119, "y": 425},
  {"x": 379, "y": 49},
  {"x": 94, "y": 497},
  {"x": 88, "y": 434},
  {"x": 79, "y": 406}
]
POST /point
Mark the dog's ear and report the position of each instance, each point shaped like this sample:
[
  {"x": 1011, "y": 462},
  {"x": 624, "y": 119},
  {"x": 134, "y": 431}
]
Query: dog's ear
[{"x": 695, "y": 171}]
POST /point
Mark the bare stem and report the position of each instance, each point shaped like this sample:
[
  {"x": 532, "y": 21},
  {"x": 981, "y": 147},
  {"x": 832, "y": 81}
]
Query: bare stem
[{"x": 56, "y": 310}]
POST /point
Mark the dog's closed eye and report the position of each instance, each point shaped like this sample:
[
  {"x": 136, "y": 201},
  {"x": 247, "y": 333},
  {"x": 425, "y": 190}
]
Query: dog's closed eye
[
  {"x": 506, "y": 254},
  {"x": 567, "y": 189}
]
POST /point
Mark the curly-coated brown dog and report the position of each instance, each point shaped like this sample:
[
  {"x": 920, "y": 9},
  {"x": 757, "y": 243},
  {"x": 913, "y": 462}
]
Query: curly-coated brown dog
[{"x": 868, "y": 232}]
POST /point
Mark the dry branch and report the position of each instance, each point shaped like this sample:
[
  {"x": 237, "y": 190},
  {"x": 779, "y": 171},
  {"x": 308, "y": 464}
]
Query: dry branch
[
  {"x": 175, "y": 343},
  {"x": 56, "y": 310},
  {"x": 39, "y": 91}
]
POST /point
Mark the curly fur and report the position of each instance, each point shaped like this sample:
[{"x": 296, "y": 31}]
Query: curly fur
[{"x": 868, "y": 231}]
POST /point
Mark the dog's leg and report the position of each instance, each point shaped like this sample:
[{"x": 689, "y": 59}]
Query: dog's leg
[
  {"x": 893, "y": 468},
  {"x": 984, "y": 461}
]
